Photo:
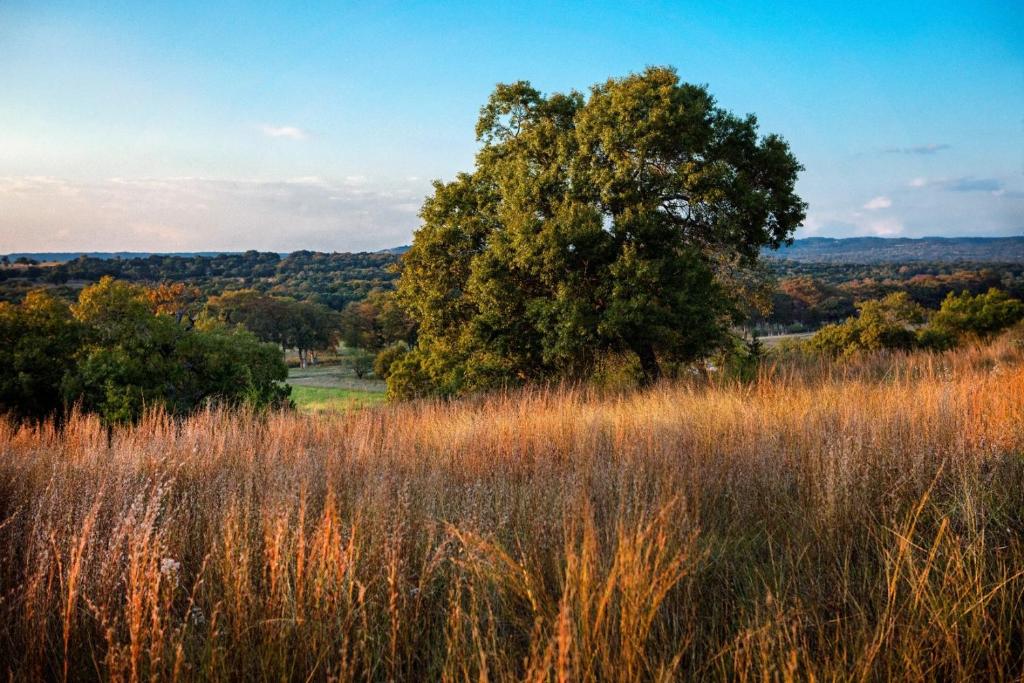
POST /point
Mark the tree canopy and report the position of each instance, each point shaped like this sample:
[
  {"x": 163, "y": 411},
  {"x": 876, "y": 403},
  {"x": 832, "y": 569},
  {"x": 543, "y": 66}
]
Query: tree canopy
[
  {"x": 375, "y": 322},
  {"x": 879, "y": 324},
  {"x": 896, "y": 322},
  {"x": 299, "y": 325},
  {"x": 616, "y": 221},
  {"x": 121, "y": 349},
  {"x": 979, "y": 316}
]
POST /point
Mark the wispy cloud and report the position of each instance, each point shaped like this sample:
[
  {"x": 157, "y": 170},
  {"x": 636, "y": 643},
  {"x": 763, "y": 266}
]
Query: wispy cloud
[
  {"x": 289, "y": 132},
  {"x": 206, "y": 214},
  {"x": 931, "y": 148},
  {"x": 923, "y": 206},
  {"x": 878, "y": 203},
  {"x": 970, "y": 184},
  {"x": 993, "y": 186},
  {"x": 887, "y": 227}
]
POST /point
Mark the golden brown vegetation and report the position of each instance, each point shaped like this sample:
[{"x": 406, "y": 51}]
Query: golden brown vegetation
[{"x": 849, "y": 522}]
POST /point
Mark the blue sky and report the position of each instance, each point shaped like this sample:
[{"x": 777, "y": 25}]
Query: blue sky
[{"x": 186, "y": 126}]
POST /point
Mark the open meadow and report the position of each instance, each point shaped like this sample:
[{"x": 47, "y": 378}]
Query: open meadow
[
  {"x": 332, "y": 388},
  {"x": 852, "y": 521},
  {"x": 539, "y": 342}
]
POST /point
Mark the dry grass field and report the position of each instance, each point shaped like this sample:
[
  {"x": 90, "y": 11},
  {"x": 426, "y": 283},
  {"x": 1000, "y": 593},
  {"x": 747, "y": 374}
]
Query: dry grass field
[{"x": 862, "y": 521}]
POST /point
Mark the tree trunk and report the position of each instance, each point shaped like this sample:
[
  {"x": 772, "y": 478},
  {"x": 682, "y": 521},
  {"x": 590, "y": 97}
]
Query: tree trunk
[{"x": 649, "y": 364}]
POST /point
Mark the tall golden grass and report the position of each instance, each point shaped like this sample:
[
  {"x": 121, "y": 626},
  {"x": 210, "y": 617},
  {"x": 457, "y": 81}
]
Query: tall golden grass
[{"x": 834, "y": 522}]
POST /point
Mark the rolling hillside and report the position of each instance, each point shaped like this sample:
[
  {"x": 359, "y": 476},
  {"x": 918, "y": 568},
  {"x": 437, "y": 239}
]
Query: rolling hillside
[{"x": 869, "y": 250}]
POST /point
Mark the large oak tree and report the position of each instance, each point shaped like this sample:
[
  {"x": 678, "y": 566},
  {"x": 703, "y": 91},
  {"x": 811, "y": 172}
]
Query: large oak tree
[{"x": 617, "y": 221}]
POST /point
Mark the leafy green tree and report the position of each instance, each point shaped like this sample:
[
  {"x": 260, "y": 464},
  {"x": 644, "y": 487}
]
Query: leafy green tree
[
  {"x": 310, "y": 327},
  {"x": 605, "y": 223},
  {"x": 230, "y": 367},
  {"x": 375, "y": 322},
  {"x": 126, "y": 362},
  {"x": 361, "y": 362},
  {"x": 300, "y": 325},
  {"x": 387, "y": 357},
  {"x": 263, "y": 315},
  {"x": 887, "y": 323},
  {"x": 980, "y": 316},
  {"x": 38, "y": 340},
  {"x": 131, "y": 357}
]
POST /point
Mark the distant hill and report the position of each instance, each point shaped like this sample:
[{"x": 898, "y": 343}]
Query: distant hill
[
  {"x": 858, "y": 250},
  {"x": 65, "y": 256},
  {"x": 870, "y": 250}
]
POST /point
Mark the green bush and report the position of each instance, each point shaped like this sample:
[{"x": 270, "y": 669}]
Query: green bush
[
  {"x": 387, "y": 358},
  {"x": 407, "y": 379},
  {"x": 741, "y": 359},
  {"x": 617, "y": 372},
  {"x": 880, "y": 324},
  {"x": 361, "y": 362},
  {"x": 979, "y": 316},
  {"x": 113, "y": 354},
  {"x": 895, "y": 322}
]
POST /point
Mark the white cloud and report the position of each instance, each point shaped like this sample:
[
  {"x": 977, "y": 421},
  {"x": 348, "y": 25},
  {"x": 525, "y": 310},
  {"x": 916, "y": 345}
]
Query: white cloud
[
  {"x": 290, "y": 132},
  {"x": 887, "y": 227},
  {"x": 876, "y": 203},
  {"x": 205, "y": 214},
  {"x": 927, "y": 206},
  {"x": 994, "y": 186}
]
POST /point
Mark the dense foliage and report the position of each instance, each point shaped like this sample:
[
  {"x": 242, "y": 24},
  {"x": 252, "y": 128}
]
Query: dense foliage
[
  {"x": 115, "y": 353},
  {"x": 805, "y": 295},
  {"x": 809, "y": 295},
  {"x": 304, "y": 326},
  {"x": 376, "y": 322},
  {"x": 613, "y": 222},
  {"x": 333, "y": 280},
  {"x": 898, "y": 323}
]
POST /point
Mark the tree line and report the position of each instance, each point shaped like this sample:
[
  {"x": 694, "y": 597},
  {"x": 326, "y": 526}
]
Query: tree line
[
  {"x": 809, "y": 295},
  {"x": 897, "y": 322},
  {"x": 120, "y": 347},
  {"x": 118, "y": 350},
  {"x": 801, "y": 295},
  {"x": 333, "y": 280}
]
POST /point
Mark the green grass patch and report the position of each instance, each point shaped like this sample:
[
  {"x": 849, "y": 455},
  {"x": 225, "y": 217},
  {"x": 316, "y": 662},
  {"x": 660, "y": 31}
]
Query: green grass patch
[{"x": 331, "y": 399}]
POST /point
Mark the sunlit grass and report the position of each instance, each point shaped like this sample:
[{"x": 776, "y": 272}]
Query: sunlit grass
[
  {"x": 321, "y": 399},
  {"x": 862, "y": 521}
]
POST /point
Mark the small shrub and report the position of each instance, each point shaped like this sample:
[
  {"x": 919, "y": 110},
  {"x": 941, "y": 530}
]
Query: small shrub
[
  {"x": 617, "y": 372},
  {"x": 387, "y": 357},
  {"x": 361, "y": 362}
]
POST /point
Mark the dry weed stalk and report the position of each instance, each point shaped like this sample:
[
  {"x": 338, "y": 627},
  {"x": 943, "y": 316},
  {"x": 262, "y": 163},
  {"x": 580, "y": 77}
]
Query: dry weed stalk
[{"x": 854, "y": 522}]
